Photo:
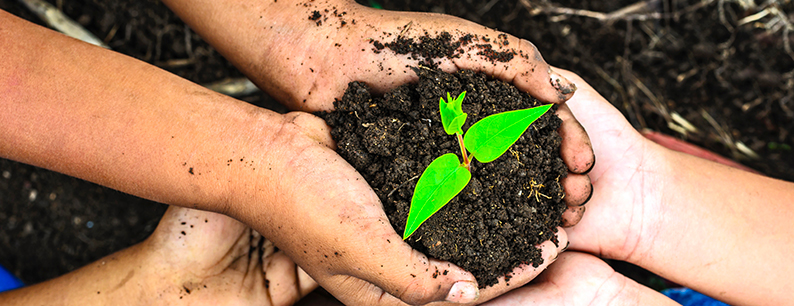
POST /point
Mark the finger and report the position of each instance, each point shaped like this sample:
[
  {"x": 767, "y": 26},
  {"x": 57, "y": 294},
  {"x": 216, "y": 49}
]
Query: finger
[
  {"x": 572, "y": 216},
  {"x": 416, "y": 280},
  {"x": 285, "y": 281},
  {"x": 307, "y": 283},
  {"x": 357, "y": 292},
  {"x": 578, "y": 189},
  {"x": 525, "y": 68},
  {"x": 314, "y": 127},
  {"x": 481, "y": 49},
  {"x": 576, "y": 149}
]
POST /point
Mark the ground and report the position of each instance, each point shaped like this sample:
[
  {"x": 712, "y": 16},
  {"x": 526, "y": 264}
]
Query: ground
[{"x": 716, "y": 73}]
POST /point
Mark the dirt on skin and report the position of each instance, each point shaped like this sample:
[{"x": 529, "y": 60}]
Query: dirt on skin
[
  {"x": 692, "y": 60},
  {"x": 691, "y": 69},
  {"x": 511, "y": 204}
]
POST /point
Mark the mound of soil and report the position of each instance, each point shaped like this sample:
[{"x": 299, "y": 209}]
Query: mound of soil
[{"x": 511, "y": 204}]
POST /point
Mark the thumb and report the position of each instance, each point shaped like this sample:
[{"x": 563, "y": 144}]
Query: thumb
[
  {"x": 523, "y": 67},
  {"x": 391, "y": 266}
]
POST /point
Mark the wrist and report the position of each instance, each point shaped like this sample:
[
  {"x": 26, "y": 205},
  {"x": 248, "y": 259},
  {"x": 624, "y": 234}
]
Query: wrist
[
  {"x": 653, "y": 214},
  {"x": 647, "y": 209}
]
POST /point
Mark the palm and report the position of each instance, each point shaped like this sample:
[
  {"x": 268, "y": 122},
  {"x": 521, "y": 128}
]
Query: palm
[
  {"x": 210, "y": 257},
  {"x": 577, "y": 279},
  {"x": 620, "y": 179}
]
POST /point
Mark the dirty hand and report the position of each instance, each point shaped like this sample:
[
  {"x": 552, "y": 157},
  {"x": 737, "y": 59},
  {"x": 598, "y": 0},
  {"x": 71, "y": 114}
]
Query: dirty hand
[
  {"x": 581, "y": 279},
  {"x": 323, "y": 215},
  {"x": 305, "y": 53},
  {"x": 192, "y": 258},
  {"x": 207, "y": 258}
]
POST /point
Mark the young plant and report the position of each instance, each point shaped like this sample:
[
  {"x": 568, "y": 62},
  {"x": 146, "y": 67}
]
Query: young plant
[{"x": 486, "y": 140}]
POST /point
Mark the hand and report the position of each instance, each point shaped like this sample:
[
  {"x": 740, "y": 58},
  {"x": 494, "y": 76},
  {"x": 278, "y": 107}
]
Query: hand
[
  {"x": 306, "y": 66},
  {"x": 689, "y": 220},
  {"x": 207, "y": 258},
  {"x": 192, "y": 258},
  {"x": 624, "y": 179},
  {"x": 581, "y": 279},
  {"x": 323, "y": 214},
  {"x": 162, "y": 138}
]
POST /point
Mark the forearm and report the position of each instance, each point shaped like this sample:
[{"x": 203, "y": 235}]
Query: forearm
[
  {"x": 724, "y": 232},
  {"x": 121, "y": 278},
  {"x": 107, "y": 118}
]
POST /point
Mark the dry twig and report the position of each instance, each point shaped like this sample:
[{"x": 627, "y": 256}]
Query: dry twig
[{"x": 56, "y": 19}]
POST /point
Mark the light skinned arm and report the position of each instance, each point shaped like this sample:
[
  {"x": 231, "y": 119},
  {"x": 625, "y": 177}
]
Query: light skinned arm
[{"x": 719, "y": 230}]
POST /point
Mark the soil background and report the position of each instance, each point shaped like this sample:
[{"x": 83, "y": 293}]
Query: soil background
[{"x": 684, "y": 68}]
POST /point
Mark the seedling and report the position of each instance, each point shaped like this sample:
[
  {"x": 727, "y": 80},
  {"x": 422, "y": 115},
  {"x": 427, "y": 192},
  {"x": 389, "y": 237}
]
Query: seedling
[{"x": 486, "y": 140}]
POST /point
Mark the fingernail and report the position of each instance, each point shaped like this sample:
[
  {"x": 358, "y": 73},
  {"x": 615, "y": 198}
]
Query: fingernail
[
  {"x": 563, "y": 85},
  {"x": 463, "y": 292},
  {"x": 590, "y": 196},
  {"x": 591, "y": 166}
]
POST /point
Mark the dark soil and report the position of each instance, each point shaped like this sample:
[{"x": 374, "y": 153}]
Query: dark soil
[
  {"x": 511, "y": 204},
  {"x": 688, "y": 62}
]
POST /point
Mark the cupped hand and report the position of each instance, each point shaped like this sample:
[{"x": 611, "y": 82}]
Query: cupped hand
[
  {"x": 327, "y": 218},
  {"x": 581, "y": 279},
  {"x": 207, "y": 258},
  {"x": 318, "y": 210},
  {"x": 308, "y": 64},
  {"x": 622, "y": 212}
]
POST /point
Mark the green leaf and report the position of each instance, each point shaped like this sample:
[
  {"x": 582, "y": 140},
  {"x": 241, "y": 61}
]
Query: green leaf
[
  {"x": 490, "y": 137},
  {"x": 452, "y": 115},
  {"x": 443, "y": 179}
]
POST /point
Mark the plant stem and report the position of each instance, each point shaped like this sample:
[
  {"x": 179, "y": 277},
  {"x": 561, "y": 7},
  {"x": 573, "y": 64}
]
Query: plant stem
[{"x": 466, "y": 161}]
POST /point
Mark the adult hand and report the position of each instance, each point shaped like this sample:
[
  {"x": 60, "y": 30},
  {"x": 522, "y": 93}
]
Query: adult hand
[
  {"x": 305, "y": 54},
  {"x": 160, "y": 137},
  {"x": 329, "y": 221},
  {"x": 581, "y": 279}
]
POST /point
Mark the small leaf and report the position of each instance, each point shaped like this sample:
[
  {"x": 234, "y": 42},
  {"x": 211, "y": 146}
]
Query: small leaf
[
  {"x": 443, "y": 179},
  {"x": 451, "y": 114},
  {"x": 490, "y": 137}
]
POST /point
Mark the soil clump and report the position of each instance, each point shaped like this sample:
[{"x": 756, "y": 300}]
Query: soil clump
[{"x": 510, "y": 206}]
